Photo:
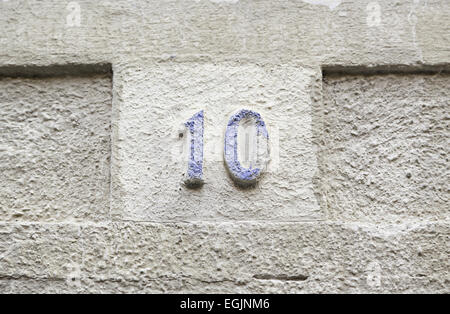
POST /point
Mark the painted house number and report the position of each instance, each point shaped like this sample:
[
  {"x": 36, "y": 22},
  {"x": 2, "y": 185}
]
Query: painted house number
[{"x": 244, "y": 172}]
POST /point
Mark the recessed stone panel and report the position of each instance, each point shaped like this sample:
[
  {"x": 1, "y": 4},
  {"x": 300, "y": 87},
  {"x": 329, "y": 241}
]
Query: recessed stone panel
[
  {"x": 385, "y": 147},
  {"x": 55, "y": 148}
]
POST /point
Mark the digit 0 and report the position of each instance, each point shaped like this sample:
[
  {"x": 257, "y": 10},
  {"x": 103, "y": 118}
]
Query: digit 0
[{"x": 246, "y": 150}]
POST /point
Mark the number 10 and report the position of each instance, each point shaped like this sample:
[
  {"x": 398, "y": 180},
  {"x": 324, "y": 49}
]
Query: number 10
[{"x": 243, "y": 175}]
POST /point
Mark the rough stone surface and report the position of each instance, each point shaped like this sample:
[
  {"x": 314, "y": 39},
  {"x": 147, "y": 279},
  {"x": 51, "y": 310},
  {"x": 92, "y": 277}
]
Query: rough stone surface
[
  {"x": 55, "y": 148},
  {"x": 385, "y": 147},
  {"x": 355, "y": 199},
  {"x": 406, "y": 32},
  {"x": 224, "y": 257},
  {"x": 150, "y": 173}
]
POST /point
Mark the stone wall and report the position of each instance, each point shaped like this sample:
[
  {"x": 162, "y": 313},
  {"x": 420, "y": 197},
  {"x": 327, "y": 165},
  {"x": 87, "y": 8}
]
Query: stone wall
[{"x": 356, "y": 102}]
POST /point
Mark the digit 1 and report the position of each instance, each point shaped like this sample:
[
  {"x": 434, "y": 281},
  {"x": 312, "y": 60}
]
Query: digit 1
[
  {"x": 194, "y": 173},
  {"x": 241, "y": 175}
]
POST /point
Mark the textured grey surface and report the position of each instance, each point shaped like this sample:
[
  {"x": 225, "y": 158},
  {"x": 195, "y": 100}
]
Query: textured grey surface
[
  {"x": 279, "y": 31},
  {"x": 358, "y": 201},
  {"x": 160, "y": 98},
  {"x": 55, "y": 148},
  {"x": 385, "y": 146},
  {"x": 224, "y": 257}
]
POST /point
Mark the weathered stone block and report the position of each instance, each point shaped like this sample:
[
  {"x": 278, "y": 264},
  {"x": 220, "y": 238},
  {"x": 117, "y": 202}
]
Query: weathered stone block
[
  {"x": 225, "y": 257},
  {"x": 158, "y": 98},
  {"x": 55, "y": 148},
  {"x": 384, "y": 147}
]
